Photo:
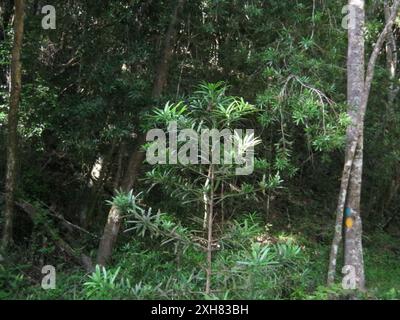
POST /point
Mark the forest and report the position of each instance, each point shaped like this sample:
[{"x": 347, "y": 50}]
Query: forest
[{"x": 199, "y": 150}]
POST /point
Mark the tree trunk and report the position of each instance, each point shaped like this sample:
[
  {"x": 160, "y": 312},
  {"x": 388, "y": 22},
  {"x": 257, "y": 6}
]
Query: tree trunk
[
  {"x": 389, "y": 123},
  {"x": 12, "y": 141},
  {"x": 391, "y": 61},
  {"x": 113, "y": 223},
  {"x": 135, "y": 162},
  {"x": 355, "y": 92},
  {"x": 350, "y": 190},
  {"x": 162, "y": 71}
]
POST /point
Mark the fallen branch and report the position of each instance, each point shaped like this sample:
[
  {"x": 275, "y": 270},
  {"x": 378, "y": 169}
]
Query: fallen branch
[
  {"x": 65, "y": 222},
  {"x": 80, "y": 258}
]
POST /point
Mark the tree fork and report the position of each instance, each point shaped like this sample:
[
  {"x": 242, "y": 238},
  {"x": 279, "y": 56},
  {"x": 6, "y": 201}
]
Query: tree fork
[{"x": 353, "y": 143}]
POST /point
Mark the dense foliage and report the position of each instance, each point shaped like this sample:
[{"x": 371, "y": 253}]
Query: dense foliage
[{"x": 278, "y": 67}]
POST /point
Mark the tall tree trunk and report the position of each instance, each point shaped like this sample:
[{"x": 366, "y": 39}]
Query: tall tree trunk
[
  {"x": 162, "y": 71},
  {"x": 389, "y": 116},
  {"x": 113, "y": 224},
  {"x": 391, "y": 61},
  {"x": 12, "y": 141},
  {"x": 350, "y": 189},
  {"x": 355, "y": 91}
]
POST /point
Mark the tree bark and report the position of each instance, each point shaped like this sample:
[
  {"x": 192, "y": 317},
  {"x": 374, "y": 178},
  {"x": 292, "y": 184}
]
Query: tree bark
[
  {"x": 12, "y": 138},
  {"x": 163, "y": 67},
  {"x": 355, "y": 91},
  {"x": 389, "y": 123},
  {"x": 113, "y": 224},
  {"x": 391, "y": 61},
  {"x": 350, "y": 190}
]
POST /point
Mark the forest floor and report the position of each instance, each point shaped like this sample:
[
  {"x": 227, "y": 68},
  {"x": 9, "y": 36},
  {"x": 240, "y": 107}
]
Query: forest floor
[{"x": 146, "y": 270}]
